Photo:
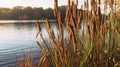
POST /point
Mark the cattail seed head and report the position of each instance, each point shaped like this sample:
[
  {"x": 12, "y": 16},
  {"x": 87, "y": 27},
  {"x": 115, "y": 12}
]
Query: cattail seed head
[
  {"x": 47, "y": 24},
  {"x": 38, "y": 25}
]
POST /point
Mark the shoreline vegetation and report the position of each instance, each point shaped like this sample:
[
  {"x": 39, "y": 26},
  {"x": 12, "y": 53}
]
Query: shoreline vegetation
[
  {"x": 28, "y": 13},
  {"x": 99, "y": 45}
]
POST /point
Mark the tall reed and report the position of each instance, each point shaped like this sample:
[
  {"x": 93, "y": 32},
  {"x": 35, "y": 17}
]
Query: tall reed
[{"x": 97, "y": 46}]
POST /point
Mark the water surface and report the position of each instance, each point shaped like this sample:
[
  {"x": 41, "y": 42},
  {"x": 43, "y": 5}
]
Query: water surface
[{"x": 18, "y": 35}]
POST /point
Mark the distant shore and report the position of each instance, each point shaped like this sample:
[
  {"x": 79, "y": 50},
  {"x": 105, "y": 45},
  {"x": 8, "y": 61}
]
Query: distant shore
[{"x": 24, "y": 21}]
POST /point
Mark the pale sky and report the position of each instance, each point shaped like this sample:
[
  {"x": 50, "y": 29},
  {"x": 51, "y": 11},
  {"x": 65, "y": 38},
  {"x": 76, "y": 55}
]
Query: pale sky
[{"x": 32, "y": 3}]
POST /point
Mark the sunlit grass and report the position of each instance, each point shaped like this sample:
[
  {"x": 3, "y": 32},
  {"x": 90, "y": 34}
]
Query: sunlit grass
[{"x": 98, "y": 46}]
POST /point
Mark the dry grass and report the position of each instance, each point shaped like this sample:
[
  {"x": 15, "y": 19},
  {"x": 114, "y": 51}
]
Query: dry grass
[
  {"x": 26, "y": 62},
  {"x": 98, "y": 46}
]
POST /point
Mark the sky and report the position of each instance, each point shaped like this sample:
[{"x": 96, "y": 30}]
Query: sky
[
  {"x": 32, "y": 3},
  {"x": 37, "y": 3}
]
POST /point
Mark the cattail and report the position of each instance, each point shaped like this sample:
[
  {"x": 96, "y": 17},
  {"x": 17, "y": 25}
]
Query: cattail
[
  {"x": 73, "y": 33},
  {"x": 39, "y": 29},
  {"x": 61, "y": 33},
  {"x": 88, "y": 28},
  {"x": 55, "y": 8},
  {"x": 72, "y": 21},
  {"x": 67, "y": 19},
  {"x": 38, "y": 25},
  {"x": 68, "y": 3},
  {"x": 77, "y": 2},
  {"x": 42, "y": 49},
  {"x": 72, "y": 37},
  {"x": 52, "y": 34},
  {"x": 47, "y": 24},
  {"x": 99, "y": 2},
  {"x": 79, "y": 19},
  {"x": 111, "y": 3},
  {"x": 59, "y": 18},
  {"x": 74, "y": 11}
]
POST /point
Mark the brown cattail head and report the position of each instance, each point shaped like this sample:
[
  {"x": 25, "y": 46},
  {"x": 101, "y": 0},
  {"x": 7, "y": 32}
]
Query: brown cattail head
[
  {"x": 74, "y": 10},
  {"x": 79, "y": 19},
  {"x": 69, "y": 3},
  {"x": 53, "y": 35},
  {"x": 55, "y": 8},
  {"x": 38, "y": 25},
  {"x": 61, "y": 33},
  {"x": 99, "y": 2},
  {"x": 47, "y": 24},
  {"x": 39, "y": 28},
  {"x": 59, "y": 17},
  {"x": 111, "y": 3}
]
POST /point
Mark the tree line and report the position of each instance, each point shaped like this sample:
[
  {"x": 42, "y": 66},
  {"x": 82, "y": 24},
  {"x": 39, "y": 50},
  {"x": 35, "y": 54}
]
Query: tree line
[{"x": 29, "y": 13}]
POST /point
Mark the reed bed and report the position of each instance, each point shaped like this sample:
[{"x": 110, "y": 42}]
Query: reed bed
[{"x": 97, "y": 46}]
